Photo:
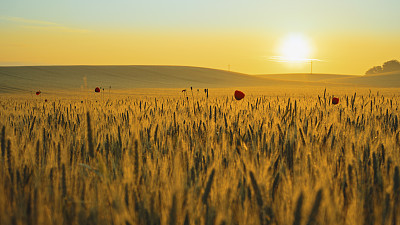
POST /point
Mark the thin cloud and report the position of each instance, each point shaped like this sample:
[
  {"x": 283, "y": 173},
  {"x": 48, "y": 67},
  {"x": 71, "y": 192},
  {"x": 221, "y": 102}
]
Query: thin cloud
[
  {"x": 43, "y": 25},
  {"x": 296, "y": 60},
  {"x": 57, "y": 28},
  {"x": 28, "y": 21}
]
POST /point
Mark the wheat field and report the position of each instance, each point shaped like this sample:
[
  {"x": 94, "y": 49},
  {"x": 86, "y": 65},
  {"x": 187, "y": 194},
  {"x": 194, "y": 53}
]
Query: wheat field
[{"x": 185, "y": 158}]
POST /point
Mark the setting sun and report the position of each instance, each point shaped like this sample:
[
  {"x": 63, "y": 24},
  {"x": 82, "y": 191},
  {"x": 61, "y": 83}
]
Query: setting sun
[
  {"x": 199, "y": 112},
  {"x": 295, "y": 48}
]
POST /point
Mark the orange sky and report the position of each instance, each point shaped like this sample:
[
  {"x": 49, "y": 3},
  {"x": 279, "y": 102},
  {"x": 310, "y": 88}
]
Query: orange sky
[{"x": 242, "y": 44}]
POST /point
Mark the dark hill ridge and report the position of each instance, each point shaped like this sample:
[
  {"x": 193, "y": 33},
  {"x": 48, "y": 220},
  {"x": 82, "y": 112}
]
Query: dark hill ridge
[
  {"x": 123, "y": 77},
  {"x": 30, "y": 78}
]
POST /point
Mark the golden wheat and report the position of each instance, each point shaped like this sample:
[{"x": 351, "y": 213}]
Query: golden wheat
[{"x": 285, "y": 158}]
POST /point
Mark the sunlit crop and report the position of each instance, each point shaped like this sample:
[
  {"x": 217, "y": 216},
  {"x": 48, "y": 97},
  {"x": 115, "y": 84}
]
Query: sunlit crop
[{"x": 189, "y": 159}]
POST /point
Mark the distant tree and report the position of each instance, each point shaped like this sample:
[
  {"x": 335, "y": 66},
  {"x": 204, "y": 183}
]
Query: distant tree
[
  {"x": 392, "y": 65},
  {"x": 389, "y": 66},
  {"x": 374, "y": 70}
]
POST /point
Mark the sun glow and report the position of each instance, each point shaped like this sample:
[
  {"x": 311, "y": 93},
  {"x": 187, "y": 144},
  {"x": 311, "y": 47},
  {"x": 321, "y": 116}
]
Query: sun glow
[{"x": 294, "y": 48}]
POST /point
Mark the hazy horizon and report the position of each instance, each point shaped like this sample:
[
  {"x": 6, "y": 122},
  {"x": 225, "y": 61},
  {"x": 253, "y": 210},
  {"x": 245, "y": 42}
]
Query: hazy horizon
[{"x": 171, "y": 65}]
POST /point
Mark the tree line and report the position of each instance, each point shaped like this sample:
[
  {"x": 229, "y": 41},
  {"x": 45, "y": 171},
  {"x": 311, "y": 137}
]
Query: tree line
[{"x": 389, "y": 66}]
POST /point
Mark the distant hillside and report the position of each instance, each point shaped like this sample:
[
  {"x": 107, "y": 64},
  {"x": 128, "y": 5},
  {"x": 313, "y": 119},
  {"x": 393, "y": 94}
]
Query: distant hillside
[
  {"x": 386, "y": 80},
  {"x": 25, "y": 79},
  {"x": 31, "y": 78},
  {"x": 305, "y": 77},
  {"x": 383, "y": 74},
  {"x": 383, "y": 80}
]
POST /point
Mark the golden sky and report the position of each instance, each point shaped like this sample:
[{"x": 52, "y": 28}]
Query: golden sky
[{"x": 345, "y": 37}]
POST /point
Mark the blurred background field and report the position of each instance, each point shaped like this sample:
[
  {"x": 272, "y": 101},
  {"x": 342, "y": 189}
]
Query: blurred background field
[{"x": 71, "y": 79}]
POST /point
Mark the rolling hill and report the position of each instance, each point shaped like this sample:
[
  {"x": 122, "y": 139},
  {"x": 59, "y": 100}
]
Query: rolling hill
[
  {"x": 32, "y": 78},
  {"x": 121, "y": 77},
  {"x": 306, "y": 77},
  {"x": 25, "y": 79},
  {"x": 385, "y": 80}
]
